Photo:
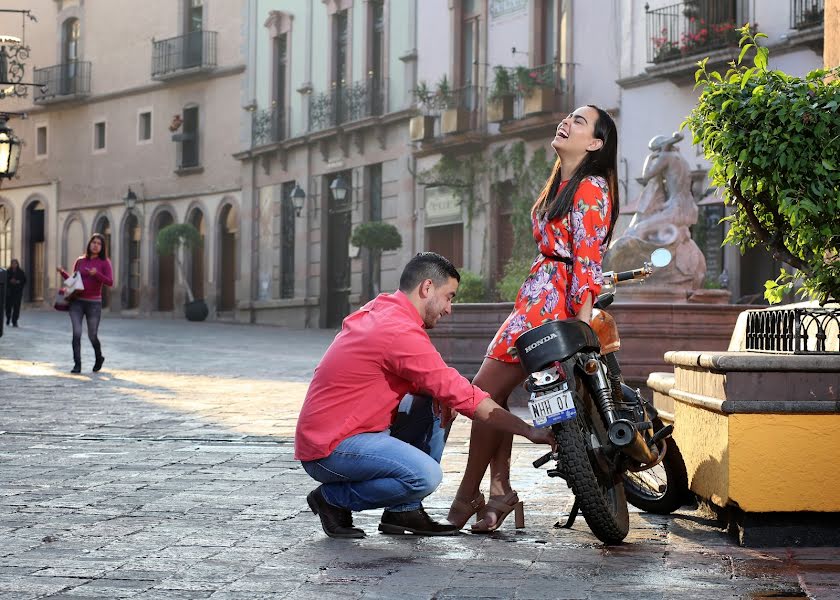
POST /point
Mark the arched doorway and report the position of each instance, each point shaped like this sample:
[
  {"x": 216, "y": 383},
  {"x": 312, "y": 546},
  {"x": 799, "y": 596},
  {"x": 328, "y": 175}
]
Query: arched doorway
[
  {"x": 103, "y": 226},
  {"x": 130, "y": 265},
  {"x": 35, "y": 250},
  {"x": 5, "y": 237},
  {"x": 228, "y": 234},
  {"x": 195, "y": 268},
  {"x": 165, "y": 269}
]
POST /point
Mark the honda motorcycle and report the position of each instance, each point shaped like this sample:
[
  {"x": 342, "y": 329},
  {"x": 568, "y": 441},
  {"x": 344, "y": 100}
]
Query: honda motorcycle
[{"x": 612, "y": 447}]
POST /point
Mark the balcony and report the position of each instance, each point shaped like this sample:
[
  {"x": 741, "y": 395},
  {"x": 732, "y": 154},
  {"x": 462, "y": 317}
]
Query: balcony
[
  {"x": 184, "y": 55},
  {"x": 692, "y": 28},
  {"x": 62, "y": 83},
  {"x": 269, "y": 126},
  {"x": 451, "y": 119},
  {"x": 347, "y": 104},
  {"x": 805, "y": 14}
]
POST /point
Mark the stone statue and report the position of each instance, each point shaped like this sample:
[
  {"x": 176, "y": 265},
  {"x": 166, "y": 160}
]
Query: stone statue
[{"x": 665, "y": 210}]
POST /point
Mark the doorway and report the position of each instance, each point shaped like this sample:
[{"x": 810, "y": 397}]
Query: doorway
[
  {"x": 130, "y": 271},
  {"x": 195, "y": 269},
  {"x": 228, "y": 234},
  {"x": 339, "y": 223},
  {"x": 165, "y": 270},
  {"x": 36, "y": 250}
]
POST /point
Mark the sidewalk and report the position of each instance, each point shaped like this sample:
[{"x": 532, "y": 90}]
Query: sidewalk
[{"x": 170, "y": 474}]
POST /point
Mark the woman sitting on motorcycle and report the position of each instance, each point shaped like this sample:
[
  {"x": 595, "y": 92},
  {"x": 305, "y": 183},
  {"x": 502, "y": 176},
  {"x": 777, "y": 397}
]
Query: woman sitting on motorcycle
[{"x": 573, "y": 220}]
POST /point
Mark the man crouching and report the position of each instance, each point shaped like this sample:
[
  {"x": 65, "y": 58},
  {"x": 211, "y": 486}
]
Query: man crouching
[{"x": 350, "y": 436}]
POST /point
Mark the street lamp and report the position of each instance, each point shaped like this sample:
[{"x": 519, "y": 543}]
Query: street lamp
[
  {"x": 339, "y": 189},
  {"x": 298, "y": 197},
  {"x": 130, "y": 199},
  {"x": 9, "y": 150}
]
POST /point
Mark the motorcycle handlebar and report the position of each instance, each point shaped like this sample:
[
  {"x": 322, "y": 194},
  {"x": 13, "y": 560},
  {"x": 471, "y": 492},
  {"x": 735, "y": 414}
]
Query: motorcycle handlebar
[{"x": 641, "y": 273}]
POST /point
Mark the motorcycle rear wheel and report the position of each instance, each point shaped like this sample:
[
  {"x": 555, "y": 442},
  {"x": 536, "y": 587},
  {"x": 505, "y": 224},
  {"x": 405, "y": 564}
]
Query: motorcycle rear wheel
[
  {"x": 662, "y": 489},
  {"x": 598, "y": 489}
]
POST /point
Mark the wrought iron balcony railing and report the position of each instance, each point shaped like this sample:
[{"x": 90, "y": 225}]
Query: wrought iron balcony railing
[
  {"x": 557, "y": 78},
  {"x": 269, "y": 125},
  {"x": 190, "y": 52},
  {"x": 62, "y": 82},
  {"x": 806, "y": 13},
  {"x": 693, "y": 27},
  {"x": 347, "y": 103}
]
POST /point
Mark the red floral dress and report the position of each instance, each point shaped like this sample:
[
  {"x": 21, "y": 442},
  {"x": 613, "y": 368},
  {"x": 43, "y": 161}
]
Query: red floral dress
[{"x": 555, "y": 289}]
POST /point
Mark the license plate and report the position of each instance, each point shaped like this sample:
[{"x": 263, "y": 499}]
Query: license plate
[{"x": 552, "y": 408}]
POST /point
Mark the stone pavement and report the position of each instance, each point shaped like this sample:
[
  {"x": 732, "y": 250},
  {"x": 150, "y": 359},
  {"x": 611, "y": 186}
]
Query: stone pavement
[{"x": 170, "y": 475}]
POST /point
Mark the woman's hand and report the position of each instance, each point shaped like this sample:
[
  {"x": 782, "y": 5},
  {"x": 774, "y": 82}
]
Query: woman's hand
[
  {"x": 59, "y": 270},
  {"x": 92, "y": 271}
]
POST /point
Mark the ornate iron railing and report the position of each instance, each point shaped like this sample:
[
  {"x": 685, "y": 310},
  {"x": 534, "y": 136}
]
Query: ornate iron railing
[
  {"x": 196, "y": 50},
  {"x": 269, "y": 125},
  {"x": 347, "y": 103},
  {"x": 68, "y": 80},
  {"x": 794, "y": 330},
  {"x": 558, "y": 77},
  {"x": 806, "y": 13},
  {"x": 693, "y": 27}
]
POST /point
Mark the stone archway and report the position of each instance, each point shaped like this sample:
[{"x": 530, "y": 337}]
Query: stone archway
[
  {"x": 130, "y": 262},
  {"x": 165, "y": 271},
  {"x": 195, "y": 270},
  {"x": 228, "y": 262}
]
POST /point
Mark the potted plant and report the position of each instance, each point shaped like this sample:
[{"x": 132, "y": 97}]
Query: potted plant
[
  {"x": 500, "y": 100},
  {"x": 421, "y": 127},
  {"x": 454, "y": 117},
  {"x": 169, "y": 241},
  {"x": 376, "y": 237},
  {"x": 536, "y": 84}
]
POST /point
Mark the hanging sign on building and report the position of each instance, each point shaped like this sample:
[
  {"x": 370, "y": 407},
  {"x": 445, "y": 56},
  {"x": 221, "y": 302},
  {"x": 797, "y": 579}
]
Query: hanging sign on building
[{"x": 442, "y": 206}]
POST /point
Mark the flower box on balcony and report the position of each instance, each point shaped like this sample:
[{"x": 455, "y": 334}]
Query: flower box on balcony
[
  {"x": 421, "y": 128},
  {"x": 539, "y": 100},
  {"x": 454, "y": 120},
  {"x": 500, "y": 109}
]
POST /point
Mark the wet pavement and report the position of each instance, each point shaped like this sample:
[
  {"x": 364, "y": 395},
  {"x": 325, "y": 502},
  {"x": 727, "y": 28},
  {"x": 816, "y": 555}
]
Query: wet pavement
[{"x": 170, "y": 474}]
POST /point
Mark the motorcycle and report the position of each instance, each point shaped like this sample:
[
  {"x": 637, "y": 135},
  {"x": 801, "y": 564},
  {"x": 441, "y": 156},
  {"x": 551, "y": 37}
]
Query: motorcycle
[{"x": 612, "y": 447}]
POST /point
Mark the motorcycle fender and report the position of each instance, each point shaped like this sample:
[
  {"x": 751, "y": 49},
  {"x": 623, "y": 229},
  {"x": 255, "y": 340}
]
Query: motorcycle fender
[{"x": 605, "y": 328}]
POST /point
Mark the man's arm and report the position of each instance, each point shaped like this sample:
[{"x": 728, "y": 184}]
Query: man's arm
[{"x": 497, "y": 417}]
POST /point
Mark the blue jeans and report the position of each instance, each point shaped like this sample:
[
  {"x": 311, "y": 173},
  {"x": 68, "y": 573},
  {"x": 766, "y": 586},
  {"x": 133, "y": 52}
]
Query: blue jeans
[
  {"x": 395, "y": 468},
  {"x": 91, "y": 311}
]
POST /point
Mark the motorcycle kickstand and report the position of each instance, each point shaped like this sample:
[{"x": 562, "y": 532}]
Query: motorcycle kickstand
[{"x": 570, "y": 518}]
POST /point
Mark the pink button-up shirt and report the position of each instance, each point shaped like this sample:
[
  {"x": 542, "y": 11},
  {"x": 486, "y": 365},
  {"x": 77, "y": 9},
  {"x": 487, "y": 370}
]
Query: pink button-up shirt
[{"x": 381, "y": 353}]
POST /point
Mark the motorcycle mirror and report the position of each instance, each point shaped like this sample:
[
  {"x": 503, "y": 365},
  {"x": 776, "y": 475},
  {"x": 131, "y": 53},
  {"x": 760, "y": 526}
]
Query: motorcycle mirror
[{"x": 660, "y": 257}]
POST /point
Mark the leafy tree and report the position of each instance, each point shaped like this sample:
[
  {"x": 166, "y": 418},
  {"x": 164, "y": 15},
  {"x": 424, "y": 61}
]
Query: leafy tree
[
  {"x": 471, "y": 288},
  {"x": 774, "y": 143},
  {"x": 171, "y": 238},
  {"x": 376, "y": 237}
]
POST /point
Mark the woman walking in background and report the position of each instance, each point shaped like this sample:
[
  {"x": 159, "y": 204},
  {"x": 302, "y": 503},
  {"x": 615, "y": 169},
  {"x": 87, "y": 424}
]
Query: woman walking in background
[
  {"x": 95, "y": 269},
  {"x": 572, "y": 222},
  {"x": 15, "y": 280}
]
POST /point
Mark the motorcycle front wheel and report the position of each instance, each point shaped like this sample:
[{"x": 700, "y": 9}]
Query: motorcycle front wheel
[
  {"x": 662, "y": 489},
  {"x": 590, "y": 473}
]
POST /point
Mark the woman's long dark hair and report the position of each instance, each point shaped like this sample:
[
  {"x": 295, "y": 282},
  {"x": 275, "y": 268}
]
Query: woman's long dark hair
[
  {"x": 602, "y": 162},
  {"x": 103, "y": 253}
]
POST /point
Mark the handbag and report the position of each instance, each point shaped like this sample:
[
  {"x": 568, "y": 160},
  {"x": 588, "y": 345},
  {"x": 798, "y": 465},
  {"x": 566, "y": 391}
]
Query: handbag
[
  {"x": 73, "y": 285},
  {"x": 61, "y": 301}
]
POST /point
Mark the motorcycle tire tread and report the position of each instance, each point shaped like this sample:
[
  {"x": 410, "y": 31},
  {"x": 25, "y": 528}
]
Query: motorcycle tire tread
[{"x": 610, "y": 529}]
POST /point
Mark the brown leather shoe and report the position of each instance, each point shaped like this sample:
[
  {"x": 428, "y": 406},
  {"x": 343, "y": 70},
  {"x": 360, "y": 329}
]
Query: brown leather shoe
[
  {"x": 416, "y": 522},
  {"x": 337, "y": 522}
]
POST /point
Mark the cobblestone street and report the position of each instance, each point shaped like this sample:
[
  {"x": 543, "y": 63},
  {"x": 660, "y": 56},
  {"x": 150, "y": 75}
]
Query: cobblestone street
[{"x": 170, "y": 474}]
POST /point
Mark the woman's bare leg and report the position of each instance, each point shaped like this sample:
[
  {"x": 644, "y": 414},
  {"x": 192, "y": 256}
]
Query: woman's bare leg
[{"x": 486, "y": 443}]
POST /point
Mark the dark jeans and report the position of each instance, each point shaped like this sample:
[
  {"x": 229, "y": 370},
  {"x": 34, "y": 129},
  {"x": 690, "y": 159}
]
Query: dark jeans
[
  {"x": 92, "y": 311},
  {"x": 395, "y": 468},
  {"x": 13, "y": 307}
]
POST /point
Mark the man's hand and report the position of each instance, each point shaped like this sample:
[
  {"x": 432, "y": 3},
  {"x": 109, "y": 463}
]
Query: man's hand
[
  {"x": 446, "y": 414},
  {"x": 542, "y": 435}
]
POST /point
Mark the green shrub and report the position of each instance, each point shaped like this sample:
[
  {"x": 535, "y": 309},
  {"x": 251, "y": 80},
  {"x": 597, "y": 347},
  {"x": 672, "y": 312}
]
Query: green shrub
[
  {"x": 471, "y": 289},
  {"x": 772, "y": 139},
  {"x": 516, "y": 270},
  {"x": 376, "y": 236}
]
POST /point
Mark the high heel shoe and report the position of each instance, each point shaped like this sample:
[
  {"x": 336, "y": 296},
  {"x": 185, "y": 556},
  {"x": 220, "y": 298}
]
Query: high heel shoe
[
  {"x": 465, "y": 509},
  {"x": 502, "y": 506}
]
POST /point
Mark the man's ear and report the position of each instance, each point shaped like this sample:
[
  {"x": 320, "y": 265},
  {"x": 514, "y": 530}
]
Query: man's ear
[{"x": 425, "y": 288}]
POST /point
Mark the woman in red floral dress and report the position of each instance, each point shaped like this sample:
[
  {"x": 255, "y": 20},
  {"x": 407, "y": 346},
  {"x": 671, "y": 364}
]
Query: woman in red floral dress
[{"x": 573, "y": 219}]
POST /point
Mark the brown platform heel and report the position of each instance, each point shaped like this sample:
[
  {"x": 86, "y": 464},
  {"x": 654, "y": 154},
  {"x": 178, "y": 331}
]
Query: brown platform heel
[
  {"x": 502, "y": 506},
  {"x": 465, "y": 509}
]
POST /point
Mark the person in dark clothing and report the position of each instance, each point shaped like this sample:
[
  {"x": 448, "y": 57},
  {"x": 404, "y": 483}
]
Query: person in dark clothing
[
  {"x": 95, "y": 269},
  {"x": 15, "y": 280}
]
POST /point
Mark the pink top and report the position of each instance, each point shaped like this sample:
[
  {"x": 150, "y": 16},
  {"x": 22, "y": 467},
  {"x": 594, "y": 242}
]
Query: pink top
[
  {"x": 381, "y": 353},
  {"x": 93, "y": 283}
]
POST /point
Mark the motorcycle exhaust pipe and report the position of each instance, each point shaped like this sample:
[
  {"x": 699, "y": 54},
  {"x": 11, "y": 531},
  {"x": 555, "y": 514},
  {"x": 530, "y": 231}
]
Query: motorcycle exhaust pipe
[{"x": 624, "y": 436}]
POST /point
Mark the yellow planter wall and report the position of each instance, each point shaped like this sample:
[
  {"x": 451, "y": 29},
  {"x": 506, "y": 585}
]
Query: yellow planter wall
[{"x": 761, "y": 462}]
